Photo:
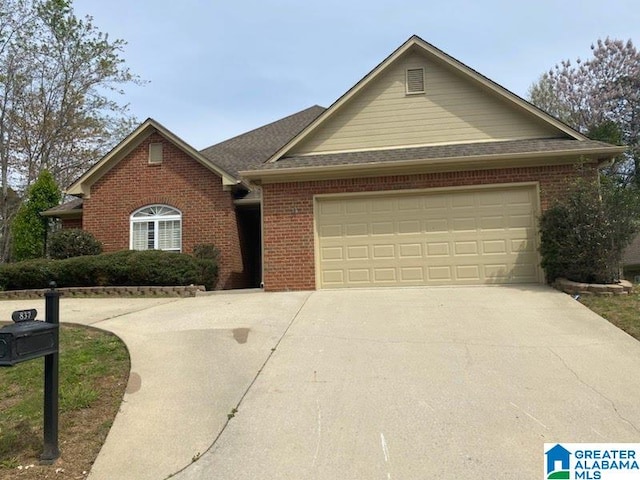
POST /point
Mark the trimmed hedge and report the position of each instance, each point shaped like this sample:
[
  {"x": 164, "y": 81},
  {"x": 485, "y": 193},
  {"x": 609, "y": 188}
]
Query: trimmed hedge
[
  {"x": 73, "y": 242},
  {"x": 125, "y": 268}
]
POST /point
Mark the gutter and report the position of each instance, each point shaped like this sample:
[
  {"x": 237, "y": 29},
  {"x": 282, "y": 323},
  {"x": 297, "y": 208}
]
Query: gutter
[{"x": 439, "y": 164}]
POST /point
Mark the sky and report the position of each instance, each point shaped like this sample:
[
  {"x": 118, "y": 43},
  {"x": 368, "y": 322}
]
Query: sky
[{"x": 215, "y": 69}]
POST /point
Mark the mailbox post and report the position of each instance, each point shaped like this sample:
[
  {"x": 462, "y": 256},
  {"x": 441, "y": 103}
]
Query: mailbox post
[
  {"x": 51, "y": 369},
  {"x": 27, "y": 339}
]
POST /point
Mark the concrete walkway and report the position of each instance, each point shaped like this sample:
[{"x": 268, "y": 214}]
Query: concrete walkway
[
  {"x": 192, "y": 360},
  {"x": 364, "y": 384}
]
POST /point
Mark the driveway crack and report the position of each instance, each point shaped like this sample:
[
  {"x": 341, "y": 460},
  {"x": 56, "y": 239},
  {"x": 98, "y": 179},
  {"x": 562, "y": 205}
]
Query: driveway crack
[
  {"x": 129, "y": 312},
  {"x": 595, "y": 390},
  {"x": 255, "y": 378}
]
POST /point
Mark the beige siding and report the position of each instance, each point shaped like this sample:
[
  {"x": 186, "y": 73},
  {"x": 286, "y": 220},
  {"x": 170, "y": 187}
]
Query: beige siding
[{"x": 454, "y": 109}]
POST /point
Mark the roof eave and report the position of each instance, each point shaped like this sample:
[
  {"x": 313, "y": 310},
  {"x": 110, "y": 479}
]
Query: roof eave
[
  {"x": 248, "y": 201},
  {"x": 64, "y": 215},
  {"x": 499, "y": 89},
  {"x": 341, "y": 101},
  {"x": 227, "y": 178},
  {"x": 82, "y": 186},
  {"x": 428, "y": 165}
]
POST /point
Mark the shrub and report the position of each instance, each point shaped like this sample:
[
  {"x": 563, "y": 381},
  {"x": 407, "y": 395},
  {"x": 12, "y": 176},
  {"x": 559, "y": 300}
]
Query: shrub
[
  {"x": 125, "y": 268},
  {"x": 206, "y": 251},
  {"x": 583, "y": 235},
  {"x": 155, "y": 267},
  {"x": 29, "y": 229},
  {"x": 207, "y": 256},
  {"x": 73, "y": 242},
  {"x": 28, "y": 274}
]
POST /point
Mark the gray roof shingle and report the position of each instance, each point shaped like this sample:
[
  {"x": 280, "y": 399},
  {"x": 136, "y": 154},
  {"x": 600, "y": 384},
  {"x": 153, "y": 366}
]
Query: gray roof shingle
[
  {"x": 512, "y": 147},
  {"x": 72, "y": 205},
  {"x": 251, "y": 149}
]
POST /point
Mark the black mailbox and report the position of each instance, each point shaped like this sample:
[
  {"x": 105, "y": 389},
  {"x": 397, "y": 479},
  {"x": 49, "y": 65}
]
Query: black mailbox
[{"x": 26, "y": 340}]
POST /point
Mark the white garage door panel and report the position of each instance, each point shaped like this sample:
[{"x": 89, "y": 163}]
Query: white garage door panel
[{"x": 459, "y": 237}]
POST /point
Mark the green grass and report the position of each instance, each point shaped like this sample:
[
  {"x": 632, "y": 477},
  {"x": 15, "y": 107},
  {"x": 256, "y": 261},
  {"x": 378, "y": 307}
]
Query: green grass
[
  {"x": 92, "y": 362},
  {"x": 621, "y": 310}
]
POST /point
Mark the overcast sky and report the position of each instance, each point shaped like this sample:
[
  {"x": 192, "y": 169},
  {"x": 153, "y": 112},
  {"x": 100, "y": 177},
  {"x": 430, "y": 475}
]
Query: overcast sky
[{"x": 216, "y": 68}]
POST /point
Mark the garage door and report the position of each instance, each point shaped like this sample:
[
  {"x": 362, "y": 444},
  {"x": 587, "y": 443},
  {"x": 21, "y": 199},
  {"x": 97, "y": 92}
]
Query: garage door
[{"x": 458, "y": 237}]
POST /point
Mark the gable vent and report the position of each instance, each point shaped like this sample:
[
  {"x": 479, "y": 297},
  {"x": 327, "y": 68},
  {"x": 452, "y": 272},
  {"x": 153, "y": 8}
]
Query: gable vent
[
  {"x": 415, "y": 80},
  {"x": 155, "y": 153}
]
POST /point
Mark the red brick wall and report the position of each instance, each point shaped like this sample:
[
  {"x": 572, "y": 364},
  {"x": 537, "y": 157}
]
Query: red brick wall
[
  {"x": 208, "y": 213},
  {"x": 288, "y": 212},
  {"x": 71, "y": 223}
]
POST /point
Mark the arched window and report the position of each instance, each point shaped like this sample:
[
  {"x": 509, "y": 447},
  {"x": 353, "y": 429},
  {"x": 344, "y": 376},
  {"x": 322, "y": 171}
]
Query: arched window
[{"x": 156, "y": 227}]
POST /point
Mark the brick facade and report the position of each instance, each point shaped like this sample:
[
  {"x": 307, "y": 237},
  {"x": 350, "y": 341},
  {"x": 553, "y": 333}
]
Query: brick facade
[
  {"x": 289, "y": 262},
  {"x": 71, "y": 223},
  {"x": 208, "y": 212}
]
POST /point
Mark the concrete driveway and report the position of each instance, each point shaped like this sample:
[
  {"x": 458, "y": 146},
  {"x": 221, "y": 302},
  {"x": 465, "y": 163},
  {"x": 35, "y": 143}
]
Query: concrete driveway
[
  {"x": 363, "y": 384},
  {"x": 431, "y": 383}
]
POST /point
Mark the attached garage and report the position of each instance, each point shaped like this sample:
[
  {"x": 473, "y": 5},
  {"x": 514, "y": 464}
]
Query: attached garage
[
  {"x": 435, "y": 237},
  {"x": 423, "y": 173}
]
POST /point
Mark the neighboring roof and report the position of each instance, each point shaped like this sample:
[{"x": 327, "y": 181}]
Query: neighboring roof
[
  {"x": 70, "y": 209},
  {"x": 418, "y": 43},
  {"x": 255, "y": 147},
  {"x": 82, "y": 186},
  {"x": 436, "y": 158}
]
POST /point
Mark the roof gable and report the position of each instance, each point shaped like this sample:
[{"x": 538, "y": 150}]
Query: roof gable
[
  {"x": 82, "y": 186},
  {"x": 459, "y": 105}
]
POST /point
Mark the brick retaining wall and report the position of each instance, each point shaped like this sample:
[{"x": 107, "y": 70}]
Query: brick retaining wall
[{"x": 80, "y": 292}]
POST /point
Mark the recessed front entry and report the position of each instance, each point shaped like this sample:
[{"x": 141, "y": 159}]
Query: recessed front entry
[{"x": 455, "y": 237}]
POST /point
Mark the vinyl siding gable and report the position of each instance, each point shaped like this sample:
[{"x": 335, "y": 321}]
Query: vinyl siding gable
[{"x": 453, "y": 109}]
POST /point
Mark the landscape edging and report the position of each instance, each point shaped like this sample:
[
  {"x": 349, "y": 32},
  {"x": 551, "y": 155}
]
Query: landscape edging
[
  {"x": 129, "y": 291},
  {"x": 623, "y": 287}
]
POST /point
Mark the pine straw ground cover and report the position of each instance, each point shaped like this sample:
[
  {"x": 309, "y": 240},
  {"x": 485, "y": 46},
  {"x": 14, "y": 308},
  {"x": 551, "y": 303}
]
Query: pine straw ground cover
[{"x": 94, "y": 368}]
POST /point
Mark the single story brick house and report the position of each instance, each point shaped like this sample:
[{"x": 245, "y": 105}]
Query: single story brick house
[{"x": 423, "y": 173}]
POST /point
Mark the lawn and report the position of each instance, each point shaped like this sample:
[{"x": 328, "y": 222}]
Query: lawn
[
  {"x": 94, "y": 368},
  {"x": 621, "y": 310}
]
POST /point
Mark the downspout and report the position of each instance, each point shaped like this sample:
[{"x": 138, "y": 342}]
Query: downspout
[{"x": 261, "y": 238}]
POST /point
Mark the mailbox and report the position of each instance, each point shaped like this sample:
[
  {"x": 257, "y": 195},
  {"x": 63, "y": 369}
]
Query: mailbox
[{"x": 25, "y": 340}]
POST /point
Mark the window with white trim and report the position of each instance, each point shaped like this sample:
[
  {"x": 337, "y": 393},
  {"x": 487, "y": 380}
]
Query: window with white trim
[{"x": 156, "y": 227}]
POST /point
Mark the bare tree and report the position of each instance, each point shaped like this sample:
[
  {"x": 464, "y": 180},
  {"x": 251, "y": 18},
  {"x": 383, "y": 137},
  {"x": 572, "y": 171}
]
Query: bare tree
[
  {"x": 59, "y": 77},
  {"x": 16, "y": 22}
]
